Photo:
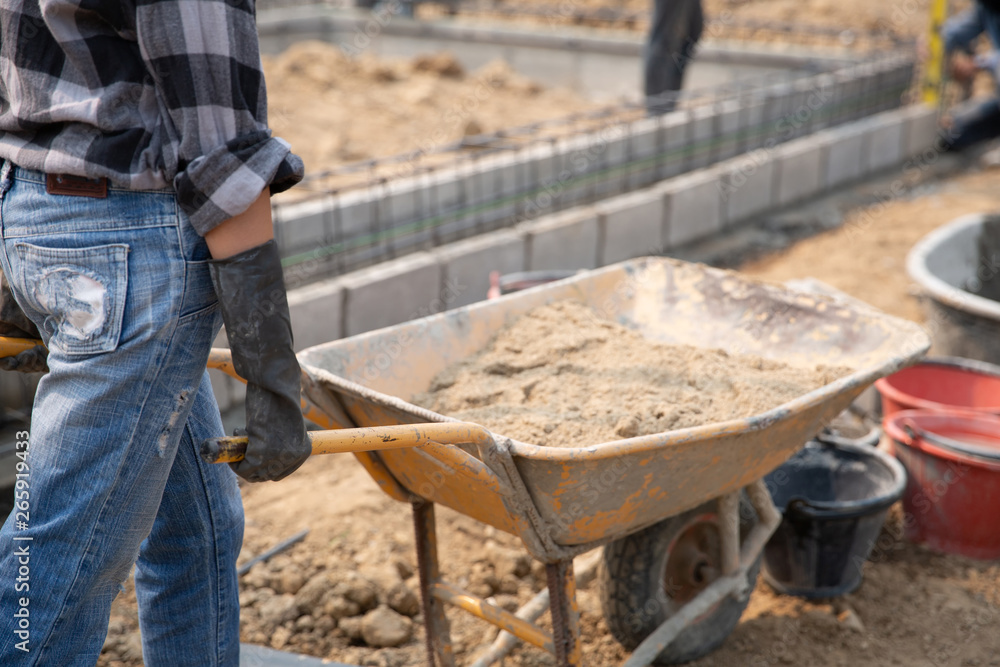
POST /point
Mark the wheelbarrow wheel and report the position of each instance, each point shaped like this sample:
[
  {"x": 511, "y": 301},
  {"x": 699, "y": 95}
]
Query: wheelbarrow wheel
[{"x": 647, "y": 577}]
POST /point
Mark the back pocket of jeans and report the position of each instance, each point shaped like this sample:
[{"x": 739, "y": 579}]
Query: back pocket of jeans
[{"x": 79, "y": 294}]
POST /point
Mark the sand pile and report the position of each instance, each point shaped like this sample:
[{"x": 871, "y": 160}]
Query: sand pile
[{"x": 562, "y": 376}]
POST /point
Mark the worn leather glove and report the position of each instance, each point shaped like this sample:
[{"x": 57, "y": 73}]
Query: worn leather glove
[
  {"x": 14, "y": 323},
  {"x": 251, "y": 291}
]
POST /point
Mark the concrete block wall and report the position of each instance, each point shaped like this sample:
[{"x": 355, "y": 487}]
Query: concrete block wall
[
  {"x": 692, "y": 207},
  {"x": 390, "y": 293},
  {"x": 747, "y": 188},
  {"x": 844, "y": 155},
  {"x": 884, "y": 144},
  {"x": 675, "y": 145},
  {"x": 920, "y": 131},
  {"x": 316, "y": 312},
  {"x": 414, "y": 213},
  {"x": 565, "y": 240},
  {"x": 799, "y": 172},
  {"x": 645, "y": 144},
  {"x": 466, "y": 265},
  {"x": 630, "y": 226}
]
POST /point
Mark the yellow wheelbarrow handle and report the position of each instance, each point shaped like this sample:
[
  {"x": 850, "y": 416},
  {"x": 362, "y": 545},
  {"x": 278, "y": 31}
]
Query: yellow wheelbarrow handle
[
  {"x": 231, "y": 449},
  {"x": 10, "y": 347}
]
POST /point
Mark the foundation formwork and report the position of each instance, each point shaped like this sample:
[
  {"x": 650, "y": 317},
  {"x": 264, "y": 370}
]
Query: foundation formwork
[{"x": 420, "y": 201}]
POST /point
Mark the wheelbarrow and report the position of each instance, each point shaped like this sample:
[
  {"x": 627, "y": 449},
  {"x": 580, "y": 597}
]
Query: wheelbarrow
[{"x": 682, "y": 516}]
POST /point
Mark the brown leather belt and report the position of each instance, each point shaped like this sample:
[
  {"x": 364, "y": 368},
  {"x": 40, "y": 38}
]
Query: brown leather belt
[{"x": 76, "y": 186}]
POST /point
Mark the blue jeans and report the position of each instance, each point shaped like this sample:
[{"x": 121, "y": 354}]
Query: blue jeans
[{"x": 120, "y": 289}]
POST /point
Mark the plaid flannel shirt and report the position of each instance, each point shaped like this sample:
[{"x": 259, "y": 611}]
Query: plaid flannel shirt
[{"x": 148, "y": 93}]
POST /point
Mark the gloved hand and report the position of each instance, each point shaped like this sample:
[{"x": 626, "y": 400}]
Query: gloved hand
[
  {"x": 251, "y": 291},
  {"x": 14, "y": 323}
]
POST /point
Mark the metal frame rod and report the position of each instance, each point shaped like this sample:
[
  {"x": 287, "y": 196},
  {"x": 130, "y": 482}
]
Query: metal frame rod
[
  {"x": 439, "y": 649},
  {"x": 768, "y": 520},
  {"x": 505, "y": 641},
  {"x": 491, "y": 613},
  {"x": 729, "y": 515},
  {"x": 565, "y": 614}
]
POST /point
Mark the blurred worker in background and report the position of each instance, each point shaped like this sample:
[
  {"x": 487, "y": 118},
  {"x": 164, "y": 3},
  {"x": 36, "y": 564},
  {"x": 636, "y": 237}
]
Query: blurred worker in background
[
  {"x": 978, "y": 119},
  {"x": 674, "y": 31},
  {"x": 136, "y": 169}
]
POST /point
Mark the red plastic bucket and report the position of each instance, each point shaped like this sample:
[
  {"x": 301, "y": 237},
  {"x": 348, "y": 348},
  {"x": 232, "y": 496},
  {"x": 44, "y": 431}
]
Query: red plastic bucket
[
  {"x": 952, "y": 497},
  {"x": 942, "y": 384}
]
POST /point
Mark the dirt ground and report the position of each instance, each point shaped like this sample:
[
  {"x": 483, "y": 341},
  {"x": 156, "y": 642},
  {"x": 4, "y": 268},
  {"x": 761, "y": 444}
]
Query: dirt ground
[{"x": 867, "y": 256}]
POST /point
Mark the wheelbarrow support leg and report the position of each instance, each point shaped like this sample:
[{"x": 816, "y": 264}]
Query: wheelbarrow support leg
[
  {"x": 435, "y": 621},
  {"x": 565, "y": 614}
]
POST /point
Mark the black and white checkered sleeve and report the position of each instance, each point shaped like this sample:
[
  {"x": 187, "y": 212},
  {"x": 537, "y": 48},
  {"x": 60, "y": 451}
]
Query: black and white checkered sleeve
[{"x": 205, "y": 62}]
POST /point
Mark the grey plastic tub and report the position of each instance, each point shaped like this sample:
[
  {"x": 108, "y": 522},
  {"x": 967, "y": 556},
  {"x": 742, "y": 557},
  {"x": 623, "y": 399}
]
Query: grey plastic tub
[{"x": 955, "y": 266}]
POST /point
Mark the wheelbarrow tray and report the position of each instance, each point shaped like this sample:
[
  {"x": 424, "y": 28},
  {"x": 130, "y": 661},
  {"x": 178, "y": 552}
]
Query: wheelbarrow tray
[{"x": 584, "y": 496}]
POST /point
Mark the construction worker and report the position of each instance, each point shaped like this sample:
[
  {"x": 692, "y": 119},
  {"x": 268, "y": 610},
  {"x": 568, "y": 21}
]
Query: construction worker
[
  {"x": 674, "y": 31},
  {"x": 979, "y": 119},
  {"x": 134, "y": 202}
]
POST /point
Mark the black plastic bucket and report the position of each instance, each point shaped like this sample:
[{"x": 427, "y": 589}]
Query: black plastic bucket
[{"x": 834, "y": 497}]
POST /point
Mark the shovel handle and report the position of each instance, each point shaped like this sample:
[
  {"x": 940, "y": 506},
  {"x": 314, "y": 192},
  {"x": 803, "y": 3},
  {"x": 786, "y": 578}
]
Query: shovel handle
[{"x": 232, "y": 449}]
